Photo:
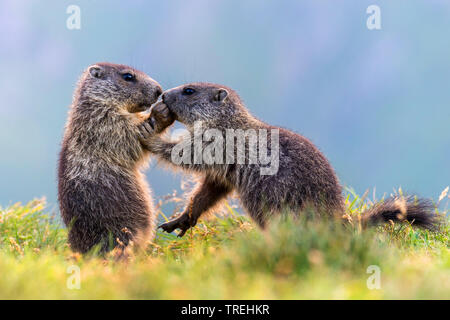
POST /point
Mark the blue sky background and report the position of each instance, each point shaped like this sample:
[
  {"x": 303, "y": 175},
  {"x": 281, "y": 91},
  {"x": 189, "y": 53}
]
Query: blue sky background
[{"x": 377, "y": 103}]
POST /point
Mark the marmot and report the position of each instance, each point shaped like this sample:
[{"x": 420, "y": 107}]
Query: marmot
[
  {"x": 304, "y": 177},
  {"x": 103, "y": 197}
]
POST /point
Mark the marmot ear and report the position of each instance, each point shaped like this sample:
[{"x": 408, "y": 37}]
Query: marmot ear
[
  {"x": 220, "y": 95},
  {"x": 96, "y": 72}
]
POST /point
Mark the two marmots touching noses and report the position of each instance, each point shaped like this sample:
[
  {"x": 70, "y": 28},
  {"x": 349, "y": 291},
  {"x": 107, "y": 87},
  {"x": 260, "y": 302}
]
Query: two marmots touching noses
[{"x": 104, "y": 198}]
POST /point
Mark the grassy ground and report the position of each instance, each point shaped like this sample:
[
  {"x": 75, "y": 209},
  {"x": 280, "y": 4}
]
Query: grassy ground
[{"x": 228, "y": 258}]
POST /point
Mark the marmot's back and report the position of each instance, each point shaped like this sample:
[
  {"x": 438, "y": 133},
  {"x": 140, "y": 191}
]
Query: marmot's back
[{"x": 304, "y": 178}]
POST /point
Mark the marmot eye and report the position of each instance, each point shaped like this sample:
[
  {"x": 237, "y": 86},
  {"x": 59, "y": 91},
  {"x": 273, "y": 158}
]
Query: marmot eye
[
  {"x": 128, "y": 77},
  {"x": 188, "y": 91}
]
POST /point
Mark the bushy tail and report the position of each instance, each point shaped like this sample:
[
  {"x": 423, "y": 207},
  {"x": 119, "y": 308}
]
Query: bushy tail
[{"x": 418, "y": 212}]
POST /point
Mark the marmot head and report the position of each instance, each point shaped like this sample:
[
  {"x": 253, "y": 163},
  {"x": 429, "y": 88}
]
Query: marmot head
[
  {"x": 211, "y": 103},
  {"x": 118, "y": 86}
]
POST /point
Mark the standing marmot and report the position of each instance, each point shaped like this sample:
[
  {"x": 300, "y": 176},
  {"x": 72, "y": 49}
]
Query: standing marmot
[
  {"x": 304, "y": 176},
  {"x": 103, "y": 197}
]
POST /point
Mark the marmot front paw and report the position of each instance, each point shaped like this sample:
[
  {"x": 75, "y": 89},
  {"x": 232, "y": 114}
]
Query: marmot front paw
[
  {"x": 161, "y": 117},
  {"x": 146, "y": 131},
  {"x": 184, "y": 223}
]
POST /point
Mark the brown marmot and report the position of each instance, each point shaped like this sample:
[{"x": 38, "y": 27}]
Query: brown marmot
[
  {"x": 103, "y": 197},
  {"x": 303, "y": 176}
]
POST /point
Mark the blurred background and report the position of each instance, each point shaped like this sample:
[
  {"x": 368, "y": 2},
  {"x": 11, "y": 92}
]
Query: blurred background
[{"x": 376, "y": 102}]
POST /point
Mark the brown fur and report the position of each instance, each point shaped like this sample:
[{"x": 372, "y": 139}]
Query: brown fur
[
  {"x": 103, "y": 196},
  {"x": 305, "y": 178}
]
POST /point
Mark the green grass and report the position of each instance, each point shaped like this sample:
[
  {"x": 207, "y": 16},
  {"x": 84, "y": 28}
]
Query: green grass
[{"x": 227, "y": 257}]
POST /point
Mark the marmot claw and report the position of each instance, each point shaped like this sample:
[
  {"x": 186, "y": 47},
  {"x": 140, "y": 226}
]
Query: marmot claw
[{"x": 181, "y": 223}]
